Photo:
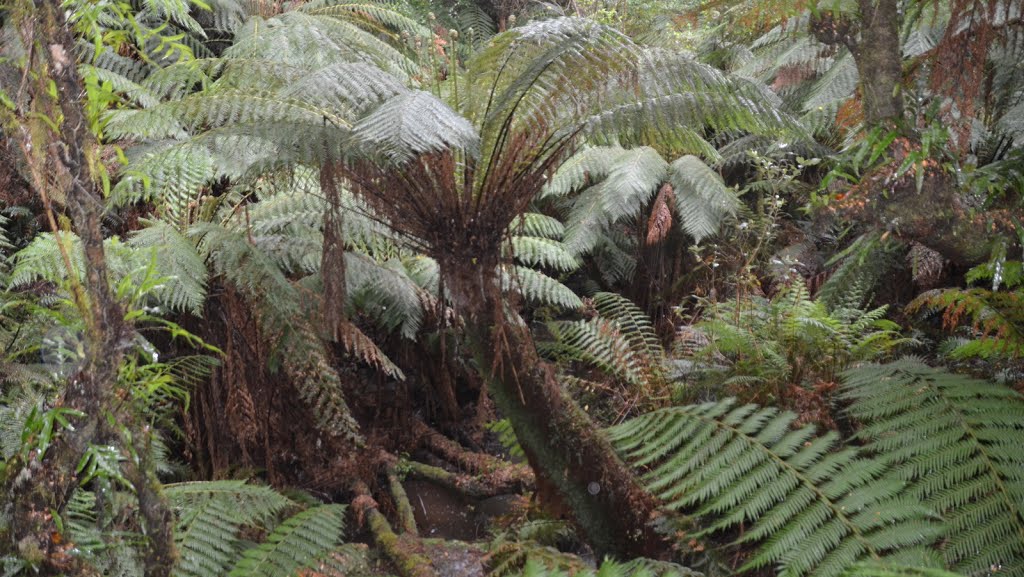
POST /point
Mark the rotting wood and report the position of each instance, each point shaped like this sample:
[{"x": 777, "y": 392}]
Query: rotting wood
[
  {"x": 406, "y": 518},
  {"x": 481, "y": 487},
  {"x": 474, "y": 463},
  {"x": 404, "y": 551}
]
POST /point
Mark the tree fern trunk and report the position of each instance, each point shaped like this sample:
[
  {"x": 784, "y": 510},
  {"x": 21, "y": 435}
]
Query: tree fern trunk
[
  {"x": 332, "y": 260},
  {"x": 563, "y": 446}
]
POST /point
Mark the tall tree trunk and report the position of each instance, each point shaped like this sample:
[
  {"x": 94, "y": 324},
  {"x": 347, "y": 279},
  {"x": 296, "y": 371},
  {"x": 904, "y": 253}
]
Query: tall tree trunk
[
  {"x": 874, "y": 41},
  {"x": 42, "y": 487},
  {"x": 879, "y": 58},
  {"x": 562, "y": 444},
  {"x": 332, "y": 258}
]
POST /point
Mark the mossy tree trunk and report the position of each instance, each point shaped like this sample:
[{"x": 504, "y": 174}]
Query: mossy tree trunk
[
  {"x": 562, "y": 444},
  {"x": 60, "y": 150}
]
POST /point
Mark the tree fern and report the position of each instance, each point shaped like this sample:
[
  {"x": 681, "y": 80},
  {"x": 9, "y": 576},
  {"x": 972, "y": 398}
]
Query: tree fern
[
  {"x": 817, "y": 507},
  {"x": 956, "y": 442}
]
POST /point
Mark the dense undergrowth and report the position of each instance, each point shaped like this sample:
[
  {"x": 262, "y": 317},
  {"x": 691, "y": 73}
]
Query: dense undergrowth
[{"x": 632, "y": 288}]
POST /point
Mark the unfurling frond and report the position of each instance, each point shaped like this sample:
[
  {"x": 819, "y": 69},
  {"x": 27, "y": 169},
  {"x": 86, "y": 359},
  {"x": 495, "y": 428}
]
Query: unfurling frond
[
  {"x": 817, "y": 508},
  {"x": 957, "y": 442}
]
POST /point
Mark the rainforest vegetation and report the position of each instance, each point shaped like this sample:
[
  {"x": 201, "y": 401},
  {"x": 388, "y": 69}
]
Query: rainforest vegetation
[{"x": 471, "y": 288}]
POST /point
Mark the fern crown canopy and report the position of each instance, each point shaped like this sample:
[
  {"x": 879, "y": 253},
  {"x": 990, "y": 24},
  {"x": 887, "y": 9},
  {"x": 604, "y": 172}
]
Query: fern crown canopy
[{"x": 412, "y": 124}]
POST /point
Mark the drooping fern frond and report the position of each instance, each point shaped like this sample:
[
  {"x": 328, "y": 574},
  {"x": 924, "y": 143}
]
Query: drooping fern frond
[
  {"x": 538, "y": 288},
  {"x": 995, "y": 318},
  {"x": 537, "y": 225},
  {"x": 283, "y": 316},
  {"x": 543, "y": 252},
  {"x": 702, "y": 199},
  {"x": 185, "y": 280},
  {"x": 412, "y": 124},
  {"x": 599, "y": 343},
  {"x": 816, "y": 507},
  {"x": 297, "y": 543},
  {"x": 633, "y": 322},
  {"x": 89, "y": 525},
  {"x": 956, "y": 441},
  {"x": 384, "y": 292}
]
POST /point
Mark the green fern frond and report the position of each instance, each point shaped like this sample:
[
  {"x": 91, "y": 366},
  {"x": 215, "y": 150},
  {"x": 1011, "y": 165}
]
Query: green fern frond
[
  {"x": 474, "y": 24},
  {"x": 185, "y": 280},
  {"x": 542, "y": 252},
  {"x": 538, "y": 288},
  {"x": 384, "y": 292},
  {"x": 633, "y": 321},
  {"x": 836, "y": 85},
  {"x": 209, "y": 517},
  {"x": 598, "y": 342},
  {"x": 586, "y": 167},
  {"x": 956, "y": 441},
  {"x": 17, "y": 406},
  {"x": 137, "y": 93},
  {"x": 412, "y": 124},
  {"x": 879, "y": 569},
  {"x": 537, "y": 225},
  {"x": 702, "y": 199},
  {"x": 381, "y": 13},
  {"x": 297, "y": 543},
  {"x": 630, "y": 183},
  {"x": 817, "y": 508},
  {"x": 536, "y": 567}
]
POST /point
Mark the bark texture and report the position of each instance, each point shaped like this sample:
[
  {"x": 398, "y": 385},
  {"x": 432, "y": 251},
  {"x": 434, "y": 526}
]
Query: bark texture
[
  {"x": 62, "y": 165},
  {"x": 563, "y": 446},
  {"x": 879, "y": 58}
]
